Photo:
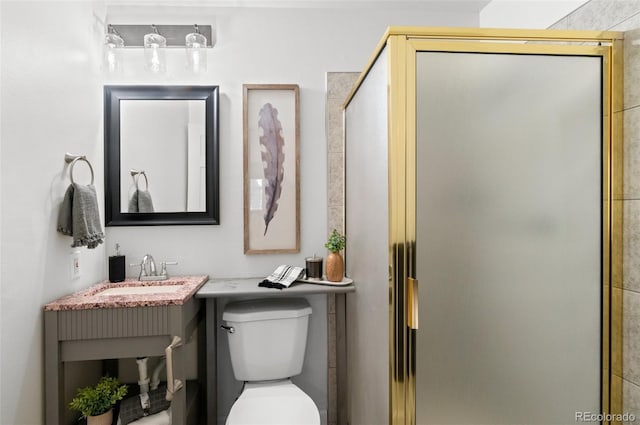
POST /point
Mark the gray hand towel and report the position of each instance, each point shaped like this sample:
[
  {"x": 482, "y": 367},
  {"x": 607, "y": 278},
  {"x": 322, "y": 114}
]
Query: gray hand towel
[
  {"x": 79, "y": 216},
  {"x": 140, "y": 202}
]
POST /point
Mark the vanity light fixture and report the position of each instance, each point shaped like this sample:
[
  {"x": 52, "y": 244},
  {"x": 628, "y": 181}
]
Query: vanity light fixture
[
  {"x": 156, "y": 39},
  {"x": 154, "y": 51},
  {"x": 113, "y": 43},
  {"x": 195, "y": 44}
]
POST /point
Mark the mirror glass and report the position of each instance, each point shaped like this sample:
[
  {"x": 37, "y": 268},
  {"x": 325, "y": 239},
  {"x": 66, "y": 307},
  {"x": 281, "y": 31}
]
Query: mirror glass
[{"x": 161, "y": 154}]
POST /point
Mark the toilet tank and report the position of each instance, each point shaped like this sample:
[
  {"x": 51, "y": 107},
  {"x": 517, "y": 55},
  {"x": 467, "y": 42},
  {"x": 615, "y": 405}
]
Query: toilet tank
[{"x": 269, "y": 337}]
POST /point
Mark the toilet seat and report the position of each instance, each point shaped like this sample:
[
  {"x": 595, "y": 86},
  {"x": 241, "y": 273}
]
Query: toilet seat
[{"x": 273, "y": 403}]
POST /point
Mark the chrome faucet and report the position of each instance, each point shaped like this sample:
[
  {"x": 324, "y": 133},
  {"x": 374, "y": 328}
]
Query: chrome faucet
[
  {"x": 163, "y": 270},
  {"x": 147, "y": 261},
  {"x": 148, "y": 269}
]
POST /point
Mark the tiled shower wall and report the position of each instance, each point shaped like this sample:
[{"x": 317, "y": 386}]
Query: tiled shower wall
[
  {"x": 339, "y": 85},
  {"x": 624, "y": 15}
]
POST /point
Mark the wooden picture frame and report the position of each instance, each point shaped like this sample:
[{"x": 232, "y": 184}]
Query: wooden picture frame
[{"x": 271, "y": 165}]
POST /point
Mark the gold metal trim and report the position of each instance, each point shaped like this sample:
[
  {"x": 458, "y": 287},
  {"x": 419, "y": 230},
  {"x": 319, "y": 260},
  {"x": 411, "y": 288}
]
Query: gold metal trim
[
  {"x": 476, "y": 34},
  {"x": 397, "y": 139},
  {"x": 410, "y": 226},
  {"x": 422, "y": 45},
  {"x": 615, "y": 84},
  {"x": 413, "y": 305},
  {"x": 504, "y": 34}
]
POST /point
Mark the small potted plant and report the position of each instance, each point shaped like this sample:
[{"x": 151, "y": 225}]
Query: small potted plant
[
  {"x": 335, "y": 263},
  {"x": 96, "y": 403}
]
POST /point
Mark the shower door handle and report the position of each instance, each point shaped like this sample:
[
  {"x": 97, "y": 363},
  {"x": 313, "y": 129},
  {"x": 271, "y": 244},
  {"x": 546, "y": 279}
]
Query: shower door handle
[{"x": 412, "y": 303}]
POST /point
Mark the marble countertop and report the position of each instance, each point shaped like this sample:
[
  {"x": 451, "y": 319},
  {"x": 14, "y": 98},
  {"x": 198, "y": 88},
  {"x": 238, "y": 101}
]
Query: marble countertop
[
  {"x": 94, "y": 298},
  {"x": 240, "y": 287}
]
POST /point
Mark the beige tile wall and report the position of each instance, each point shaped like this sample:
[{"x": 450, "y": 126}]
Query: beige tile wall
[
  {"x": 624, "y": 15},
  {"x": 339, "y": 85}
]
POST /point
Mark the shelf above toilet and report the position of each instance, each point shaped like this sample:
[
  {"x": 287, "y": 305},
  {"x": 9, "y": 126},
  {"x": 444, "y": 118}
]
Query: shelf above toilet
[{"x": 217, "y": 288}]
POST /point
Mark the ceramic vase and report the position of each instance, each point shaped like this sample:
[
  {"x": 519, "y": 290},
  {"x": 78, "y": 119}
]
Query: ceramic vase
[
  {"x": 334, "y": 267},
  {"x": 104, "y": 419}
]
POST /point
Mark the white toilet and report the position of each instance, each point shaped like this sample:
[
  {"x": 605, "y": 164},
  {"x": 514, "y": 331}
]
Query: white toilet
[{"x": 267, "y": 340}]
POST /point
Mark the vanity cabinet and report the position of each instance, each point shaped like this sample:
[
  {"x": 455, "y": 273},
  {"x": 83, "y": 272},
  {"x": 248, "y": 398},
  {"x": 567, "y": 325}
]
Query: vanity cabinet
[{"x": 79, "y": 328}]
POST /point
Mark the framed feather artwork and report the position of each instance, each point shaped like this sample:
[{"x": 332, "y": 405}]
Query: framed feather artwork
[{"x": 271, "y": 168}]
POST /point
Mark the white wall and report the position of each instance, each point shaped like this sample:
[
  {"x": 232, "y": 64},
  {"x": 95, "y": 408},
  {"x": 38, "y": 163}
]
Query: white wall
[
  {"x": 265, "y": 46},
  {"x": 52, "y": 102},
  {"x": 526, "y": 13}
]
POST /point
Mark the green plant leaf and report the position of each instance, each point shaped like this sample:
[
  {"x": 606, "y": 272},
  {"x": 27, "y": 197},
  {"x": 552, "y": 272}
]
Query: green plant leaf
[
  {"x": 336, "y": 242},
  {"x": 94, "y": 401}
]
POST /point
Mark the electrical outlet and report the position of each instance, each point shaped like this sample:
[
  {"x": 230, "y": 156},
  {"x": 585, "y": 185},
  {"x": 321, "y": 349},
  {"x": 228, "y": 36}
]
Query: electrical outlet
[{"x": 75, "y": 264}]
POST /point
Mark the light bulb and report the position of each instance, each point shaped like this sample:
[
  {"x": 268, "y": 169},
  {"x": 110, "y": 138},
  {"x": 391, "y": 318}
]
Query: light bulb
[
  {"x": 195, "y": 45},
  {"x": 154, "y": 52},
  {"x": 112, "y": 45}
]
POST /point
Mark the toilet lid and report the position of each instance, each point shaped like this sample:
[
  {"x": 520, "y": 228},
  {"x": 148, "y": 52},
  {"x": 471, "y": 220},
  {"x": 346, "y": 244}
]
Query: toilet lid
[{"x": 279, "y": 403}]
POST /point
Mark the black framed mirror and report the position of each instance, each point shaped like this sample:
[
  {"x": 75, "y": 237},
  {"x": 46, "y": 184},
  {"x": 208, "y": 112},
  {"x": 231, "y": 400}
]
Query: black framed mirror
[{"x": 161, "y": 155}]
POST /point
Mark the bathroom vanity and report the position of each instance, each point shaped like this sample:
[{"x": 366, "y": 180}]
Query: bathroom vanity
[
  {"x": 123, "y": 320},
  {"x": 217, "y": 292}
]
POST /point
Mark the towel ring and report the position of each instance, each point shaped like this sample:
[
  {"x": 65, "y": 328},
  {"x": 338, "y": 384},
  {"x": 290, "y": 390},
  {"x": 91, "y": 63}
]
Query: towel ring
[
  {"x": 72, "y": 159},
  {"x": 136, "y": 176}
]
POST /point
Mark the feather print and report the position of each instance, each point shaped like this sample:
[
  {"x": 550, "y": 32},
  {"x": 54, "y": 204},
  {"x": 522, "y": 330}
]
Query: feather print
[{"x": 272, "y": 160}]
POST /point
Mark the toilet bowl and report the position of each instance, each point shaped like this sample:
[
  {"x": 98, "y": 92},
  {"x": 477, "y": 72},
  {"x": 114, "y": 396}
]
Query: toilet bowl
[
  {"x": 267, "y": 342},
  {"x": 273, "y": 403}
]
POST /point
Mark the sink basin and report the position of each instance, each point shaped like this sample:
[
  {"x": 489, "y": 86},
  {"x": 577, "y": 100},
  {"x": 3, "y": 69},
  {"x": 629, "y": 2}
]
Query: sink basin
[
  {"x": 131, "y": 293},
  {"x": 138, "y": 290}
]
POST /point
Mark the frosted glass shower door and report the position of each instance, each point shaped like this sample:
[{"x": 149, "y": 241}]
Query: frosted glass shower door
[{"x": 509, "y": 237}]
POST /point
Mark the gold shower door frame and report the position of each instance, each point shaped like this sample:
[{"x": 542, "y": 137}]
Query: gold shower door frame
[{"x": 402, "y": 44}]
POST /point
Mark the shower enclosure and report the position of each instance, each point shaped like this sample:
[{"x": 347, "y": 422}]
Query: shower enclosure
[{"x": 483, "y": 169}]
